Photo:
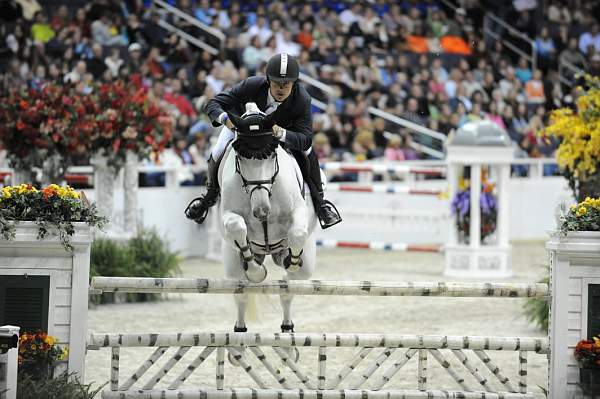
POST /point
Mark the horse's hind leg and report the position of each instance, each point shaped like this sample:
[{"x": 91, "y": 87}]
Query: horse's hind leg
[
  {"x": 233, "y": 271},
  {"x": 287, "y": 325},
  {"x": 236, "y": 232}
]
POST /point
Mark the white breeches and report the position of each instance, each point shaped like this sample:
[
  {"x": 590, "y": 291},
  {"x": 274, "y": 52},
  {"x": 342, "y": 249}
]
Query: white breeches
[{"x": 225, "y": 136}]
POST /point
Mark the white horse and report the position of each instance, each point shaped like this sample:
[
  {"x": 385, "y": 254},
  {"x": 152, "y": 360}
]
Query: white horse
[{"x": 263, "y": 211}]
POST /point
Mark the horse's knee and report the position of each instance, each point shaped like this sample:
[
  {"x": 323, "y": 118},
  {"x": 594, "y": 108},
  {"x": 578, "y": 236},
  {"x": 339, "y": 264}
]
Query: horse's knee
[
  {"x": 297, "y": 237},
  {"x": 234, "y": 225}
]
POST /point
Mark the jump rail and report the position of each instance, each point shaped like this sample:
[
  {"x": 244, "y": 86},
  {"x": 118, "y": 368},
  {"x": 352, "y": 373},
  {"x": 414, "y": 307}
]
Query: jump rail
[
  {"x": 317, "y": 287},
  {"x": 382, "y": 347},
  {"x": 394, "y": 189},
  {"x": 379, "y": 245}
]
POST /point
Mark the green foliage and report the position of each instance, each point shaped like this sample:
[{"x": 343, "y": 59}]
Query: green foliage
[
  {"x": 54, "y": 388},
  {"x": 537, "y": 309},
  {"x": 146, "y": 255}
]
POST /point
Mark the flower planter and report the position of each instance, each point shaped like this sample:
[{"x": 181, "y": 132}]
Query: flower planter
[
  {"x": 575, "y": 266},
  {"x": 589, "y": 379},
  {"x": 65, "y": 298}
]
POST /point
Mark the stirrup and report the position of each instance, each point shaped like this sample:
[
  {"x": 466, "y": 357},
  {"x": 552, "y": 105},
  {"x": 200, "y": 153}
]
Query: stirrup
[
  {"x": 331, "y": 207},
  {"x": 196, "y": 210}
]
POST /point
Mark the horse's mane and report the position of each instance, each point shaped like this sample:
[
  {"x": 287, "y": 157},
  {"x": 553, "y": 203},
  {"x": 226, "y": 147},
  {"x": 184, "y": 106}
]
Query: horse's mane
[{"x": 259, "y": 146}]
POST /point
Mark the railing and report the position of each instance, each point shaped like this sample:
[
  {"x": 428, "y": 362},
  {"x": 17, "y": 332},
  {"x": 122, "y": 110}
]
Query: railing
[
  {"x": 408, "y": 171},
  {"x": 194, "y": 21},
  {"x": 188, "y": 38},
  {"x": 568, "y": 67},
  {"x": 531, "y": 58}
]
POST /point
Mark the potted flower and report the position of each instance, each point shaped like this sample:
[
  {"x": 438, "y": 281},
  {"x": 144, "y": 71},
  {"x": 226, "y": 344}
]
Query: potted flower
[
  {"x": 52, "y": 209},
  {"x": 461, "y": 208},
  {"x": 581, "y": 219},
  {"x": 587, "y": 353},
  {"x": 578, "y": 130},
  {"x": 38, "y": 352}
]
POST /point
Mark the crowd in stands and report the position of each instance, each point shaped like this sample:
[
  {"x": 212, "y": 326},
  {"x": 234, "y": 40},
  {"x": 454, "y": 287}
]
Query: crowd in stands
[{"x": 418, "y": 59}]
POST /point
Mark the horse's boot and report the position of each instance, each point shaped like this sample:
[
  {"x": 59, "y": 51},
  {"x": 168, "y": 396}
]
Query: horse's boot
[{"x": 198, "y": 209}]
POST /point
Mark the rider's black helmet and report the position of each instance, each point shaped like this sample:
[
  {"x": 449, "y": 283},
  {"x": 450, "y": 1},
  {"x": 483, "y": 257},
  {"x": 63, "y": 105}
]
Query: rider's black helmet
[{"x": 283, "y": 68}]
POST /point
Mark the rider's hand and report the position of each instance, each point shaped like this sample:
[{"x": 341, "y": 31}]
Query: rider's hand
[
  {"x": 229, "y": 124},
  {"x": 278, "y": 131}
]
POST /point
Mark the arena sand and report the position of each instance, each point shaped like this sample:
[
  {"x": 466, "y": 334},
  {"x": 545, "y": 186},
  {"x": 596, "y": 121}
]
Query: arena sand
[{"x": 401, "y": 315}]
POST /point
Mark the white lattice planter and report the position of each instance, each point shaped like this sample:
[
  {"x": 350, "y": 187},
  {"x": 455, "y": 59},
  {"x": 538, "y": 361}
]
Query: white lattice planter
[
  {"x": 68, "y": 274},
  {"x": 575, "y": 264}
]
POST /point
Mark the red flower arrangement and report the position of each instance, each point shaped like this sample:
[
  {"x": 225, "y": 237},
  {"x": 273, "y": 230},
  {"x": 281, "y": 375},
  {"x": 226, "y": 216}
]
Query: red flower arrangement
[
  {"x": 129, "y": 121},
  {"x": 37, "y": 354},
  {"x": 38, "y": 124},
  {"x": 588, "y": 353},
  {"x": 60, "y": 120}
]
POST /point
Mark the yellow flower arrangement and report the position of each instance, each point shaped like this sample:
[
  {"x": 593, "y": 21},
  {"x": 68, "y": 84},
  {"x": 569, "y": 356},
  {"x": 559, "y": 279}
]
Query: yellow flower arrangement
[
  {"x": 584, "y": 216},
  {"x": 54, "y": 206},
  {"x": 578, "y": 130}
]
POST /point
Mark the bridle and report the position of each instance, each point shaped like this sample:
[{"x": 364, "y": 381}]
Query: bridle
[{"x": 258, "y": 184}]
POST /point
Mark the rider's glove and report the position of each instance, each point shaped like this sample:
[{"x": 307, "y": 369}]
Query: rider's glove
[{"x": 278, "y": 132}]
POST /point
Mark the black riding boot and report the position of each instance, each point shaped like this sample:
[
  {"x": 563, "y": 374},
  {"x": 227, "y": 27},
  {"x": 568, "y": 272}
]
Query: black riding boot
[
  {"x": 326, "y": 212},
  {"x": 199, "y": 207}
]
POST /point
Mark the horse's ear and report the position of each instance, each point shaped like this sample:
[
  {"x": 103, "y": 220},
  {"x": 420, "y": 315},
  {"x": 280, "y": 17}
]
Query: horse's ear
[
  {"x": 267, "y": 122},
  {"x": 237, "y": 121}
]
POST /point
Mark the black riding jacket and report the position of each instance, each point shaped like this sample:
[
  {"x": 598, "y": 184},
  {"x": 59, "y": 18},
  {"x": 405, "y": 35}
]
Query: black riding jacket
[{"x": 294, "y": 114}]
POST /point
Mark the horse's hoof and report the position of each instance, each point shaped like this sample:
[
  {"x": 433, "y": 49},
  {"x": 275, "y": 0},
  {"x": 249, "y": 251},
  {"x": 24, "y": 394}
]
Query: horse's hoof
[
  {"x": 235, "y": 360},
  {"x": 256, "y": 274},
  {"x": 292, "y": 267}
]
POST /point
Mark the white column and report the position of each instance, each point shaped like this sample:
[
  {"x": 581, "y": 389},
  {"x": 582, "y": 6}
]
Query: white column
[
  {"x": 8, "y": 381},
  {"x": 79, "y": 310},
  {"x": 503, "y": 201},
  {"x": 452, "y": 179},
  {"x": 475, "y": 227},
  {"x": 130, "y": 188},
  {"x": 104, "y": 187}
]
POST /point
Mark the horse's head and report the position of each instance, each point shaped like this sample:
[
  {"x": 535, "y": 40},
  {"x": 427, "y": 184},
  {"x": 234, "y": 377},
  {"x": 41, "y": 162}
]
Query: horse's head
[{"x": 256, "y": 158}]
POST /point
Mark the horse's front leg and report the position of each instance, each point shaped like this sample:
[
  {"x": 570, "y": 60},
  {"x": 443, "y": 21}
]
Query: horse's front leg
[
  {"x": 297, "y": 235},
  {"x": 237, "y": 233}
]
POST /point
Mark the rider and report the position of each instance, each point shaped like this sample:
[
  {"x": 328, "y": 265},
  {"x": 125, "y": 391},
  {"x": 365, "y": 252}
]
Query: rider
[{"x": 279, "y": 94}]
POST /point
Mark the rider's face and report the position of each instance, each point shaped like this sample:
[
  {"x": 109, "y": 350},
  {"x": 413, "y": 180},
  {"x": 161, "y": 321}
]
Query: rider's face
[{"x": 281, "y": 90}]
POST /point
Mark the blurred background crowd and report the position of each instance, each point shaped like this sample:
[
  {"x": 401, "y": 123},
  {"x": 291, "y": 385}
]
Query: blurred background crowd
[{"x": 429, "y": 62}]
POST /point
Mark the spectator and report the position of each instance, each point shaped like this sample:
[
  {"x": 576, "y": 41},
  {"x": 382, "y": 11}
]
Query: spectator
[
  {"x": 523, "y": 72},
  {"x": 178, "y": 100},
  {"x": 590, "y": 41},
  {"x": 41, "y": 31},
  {"x": 96, "y": 65},
  {"x": 572, "y": 56},
  {"x": 101, "y": 32},
  {"x": 393, "y": 150},
  {"x": 534, "y": 90},
  {"x": 113, "y": 62},
  {"x": 545, "y": 49}
]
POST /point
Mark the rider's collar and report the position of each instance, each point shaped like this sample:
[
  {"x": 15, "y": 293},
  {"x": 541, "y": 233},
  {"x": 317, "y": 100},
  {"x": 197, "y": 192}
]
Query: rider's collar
[{"x": 271, "y": 103}]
